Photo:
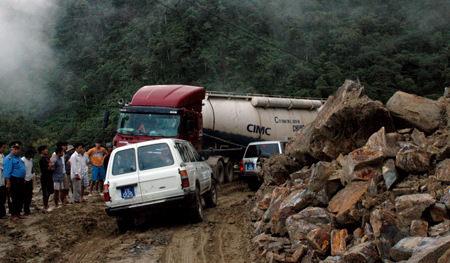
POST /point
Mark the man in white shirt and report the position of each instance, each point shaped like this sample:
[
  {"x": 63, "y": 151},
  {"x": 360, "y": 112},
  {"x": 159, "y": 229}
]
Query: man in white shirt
[
  {"x": 2, "y": 183},
  {"x": 76, "y": 172},
  {"x": 84, "y": 172},
  {"x": 29, "y": 176}
]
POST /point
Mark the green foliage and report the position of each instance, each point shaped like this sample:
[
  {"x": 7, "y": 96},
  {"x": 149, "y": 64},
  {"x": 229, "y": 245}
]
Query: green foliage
[{"x": 106, "y": 50}]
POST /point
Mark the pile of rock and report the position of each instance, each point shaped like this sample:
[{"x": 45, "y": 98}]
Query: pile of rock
[{"x": 374, "y": 186}]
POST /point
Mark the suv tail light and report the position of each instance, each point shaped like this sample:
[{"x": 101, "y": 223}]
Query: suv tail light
[
  {"x": 106, "y": 192},
  {"x": 184, "y": 178},
  {"x": 242, "y": 165}
]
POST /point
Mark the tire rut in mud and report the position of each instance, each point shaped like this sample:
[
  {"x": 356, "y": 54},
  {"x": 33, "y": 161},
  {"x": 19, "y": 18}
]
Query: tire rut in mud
[{"x": 84, "y": 233}]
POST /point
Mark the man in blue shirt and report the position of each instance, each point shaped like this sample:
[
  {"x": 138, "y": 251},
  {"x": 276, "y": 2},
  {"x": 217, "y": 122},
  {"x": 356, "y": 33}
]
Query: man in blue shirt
[{"x": 14, "y": 172}]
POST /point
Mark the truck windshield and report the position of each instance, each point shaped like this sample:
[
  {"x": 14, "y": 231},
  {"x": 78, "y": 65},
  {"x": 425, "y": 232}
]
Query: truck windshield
[
  {"x": 261, "y": 150},
  {"x": 149, "y": 124}
]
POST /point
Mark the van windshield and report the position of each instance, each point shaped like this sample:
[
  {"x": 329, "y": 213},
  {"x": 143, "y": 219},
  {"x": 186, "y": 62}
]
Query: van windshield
[
  {"x": 149, "y": 124},
  {"x": 261, "y": 150}
]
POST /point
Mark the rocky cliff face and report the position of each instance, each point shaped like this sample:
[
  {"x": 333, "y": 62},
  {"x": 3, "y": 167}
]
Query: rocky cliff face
[{"x": 362, "y": 183}]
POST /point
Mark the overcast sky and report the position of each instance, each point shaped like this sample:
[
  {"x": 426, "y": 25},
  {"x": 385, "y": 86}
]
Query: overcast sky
[{"x": 25, "y": 57}]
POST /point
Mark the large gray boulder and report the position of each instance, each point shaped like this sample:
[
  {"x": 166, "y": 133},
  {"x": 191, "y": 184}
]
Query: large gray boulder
[
  {"x": 409, "y": 110},
  {"x": 344, "y": 124}
]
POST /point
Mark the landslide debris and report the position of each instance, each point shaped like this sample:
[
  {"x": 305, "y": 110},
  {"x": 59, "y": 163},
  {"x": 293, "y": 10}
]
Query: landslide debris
[{"x": 362, "y": 183}]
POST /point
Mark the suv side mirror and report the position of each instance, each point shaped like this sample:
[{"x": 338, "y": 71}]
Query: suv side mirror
[{"x": 190, "y": 125}]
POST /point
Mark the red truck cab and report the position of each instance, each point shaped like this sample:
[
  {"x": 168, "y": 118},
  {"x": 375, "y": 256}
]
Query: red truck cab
[{"x": 162, "y": 111}]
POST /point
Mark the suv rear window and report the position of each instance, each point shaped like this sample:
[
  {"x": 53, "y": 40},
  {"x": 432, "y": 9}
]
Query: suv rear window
[
  {"x": 261, "y": 150},
  {"x": 154, "y": 156},
  {"x": 124, "y": 162}
]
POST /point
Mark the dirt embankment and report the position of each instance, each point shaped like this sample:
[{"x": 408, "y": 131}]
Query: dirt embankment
[{"x": 84, "y": 233}]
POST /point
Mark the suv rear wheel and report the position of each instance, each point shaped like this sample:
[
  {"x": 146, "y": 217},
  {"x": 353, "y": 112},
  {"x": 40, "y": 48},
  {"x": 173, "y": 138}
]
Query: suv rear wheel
[
  {"x": 125, "y": 223},
  {"x": 211, "y": 196},
  {"x": 197, "y": 209}
]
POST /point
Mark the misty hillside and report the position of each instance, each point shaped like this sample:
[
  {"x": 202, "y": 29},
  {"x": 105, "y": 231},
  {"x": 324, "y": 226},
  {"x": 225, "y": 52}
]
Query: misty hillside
[{"x": 106, "y": 50}]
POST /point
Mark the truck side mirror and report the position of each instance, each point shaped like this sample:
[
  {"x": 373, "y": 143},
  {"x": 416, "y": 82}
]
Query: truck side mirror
[
  {"x": 190, "y": 125},
  {"x": 105, "y": 118}
]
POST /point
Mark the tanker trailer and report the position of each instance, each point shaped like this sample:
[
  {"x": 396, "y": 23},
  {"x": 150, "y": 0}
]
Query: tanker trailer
[
  {"x": 219, "y": 125},
  {"x": 231, "y": 122}
]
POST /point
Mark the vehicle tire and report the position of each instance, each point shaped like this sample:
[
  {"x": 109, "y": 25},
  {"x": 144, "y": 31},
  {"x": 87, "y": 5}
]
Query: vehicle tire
[
  {"x": 211, "y": 196},
  {"x": 197, "y": 209},
  {"x": 125, "y": 223},
  {"x": 219, "y": 171},
  {"x": 229, "y": 172}
]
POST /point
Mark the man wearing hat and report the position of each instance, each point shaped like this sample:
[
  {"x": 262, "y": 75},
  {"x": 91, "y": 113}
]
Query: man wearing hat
[{"x": 14, "y": 172}]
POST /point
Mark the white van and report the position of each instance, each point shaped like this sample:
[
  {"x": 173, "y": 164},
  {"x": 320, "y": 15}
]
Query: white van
[
  {"x": 252, "y": 156},
  {"x": 147, "y": 176}
]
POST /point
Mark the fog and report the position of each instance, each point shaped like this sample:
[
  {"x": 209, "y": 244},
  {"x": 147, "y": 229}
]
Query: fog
[{"x": 26, "y": 57}]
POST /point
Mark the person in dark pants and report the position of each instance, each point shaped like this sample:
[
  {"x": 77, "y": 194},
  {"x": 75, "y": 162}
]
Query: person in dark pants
[
  {"x": 29, "y": 179},
  {"x": 46, "y": 176},
  {"x": 14, "y": 173},
  {"x": 2, "y": 183}
]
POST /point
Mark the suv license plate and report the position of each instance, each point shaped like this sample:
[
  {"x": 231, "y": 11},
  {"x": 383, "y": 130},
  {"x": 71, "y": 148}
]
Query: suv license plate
[
  {"x": 127, "y": 193},
  {"x": 250, "y": 167}
]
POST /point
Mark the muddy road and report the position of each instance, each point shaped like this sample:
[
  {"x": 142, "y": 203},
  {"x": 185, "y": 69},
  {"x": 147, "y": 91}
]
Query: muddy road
[{"x": 84, "y": 233}]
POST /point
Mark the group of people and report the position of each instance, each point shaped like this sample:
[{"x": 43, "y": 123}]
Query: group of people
[{"x": 67, "y": 168}]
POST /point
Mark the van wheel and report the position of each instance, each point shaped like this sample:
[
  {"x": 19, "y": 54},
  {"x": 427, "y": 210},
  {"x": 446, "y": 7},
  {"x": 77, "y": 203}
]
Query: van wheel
[
  {"x": 229, "y": 172},
  {"x": 219, "y": 171},
  {"x": 211, "y": 196},
  {"x": 197, "y": 209},
  {"x": 125, "y": 223}
]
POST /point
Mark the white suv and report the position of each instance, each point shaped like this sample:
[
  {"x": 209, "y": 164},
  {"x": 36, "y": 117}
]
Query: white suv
[
  {"x": 147, "y": 176},
  {"x": 252, "y": 156}
]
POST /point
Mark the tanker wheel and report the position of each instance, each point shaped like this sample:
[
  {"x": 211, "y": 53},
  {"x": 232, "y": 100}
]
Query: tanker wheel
[
  {"x": 219, "y": 171},
  {"x": 229, "y": 172}
]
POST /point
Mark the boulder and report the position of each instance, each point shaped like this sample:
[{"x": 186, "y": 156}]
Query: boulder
[
  {"x": 303, "y": 174},
  {"x": 344, "y": 124},
  {"x": 387, "y": 143},
  {"x": 409, "y": 110},
  {"x": 445, "y": 199},
  {"x": 317, "y": 215},
  {"x": 386, "y": 231},
  {"x": 319, "y": 239},
  {"x": 330, "y": 259},
  {"x": 419, "y": 139},
  {"x": 432, "y": 252},
  {"x": 443, "y": 171},
  {"x": 410, "y": 207},
  {"x": 362, "y": 253},
  {"x": 265, "y": 202},
  {"x": 419, "y": 228},
  {"x": 299, "y": 199},
  {"x": 436, "y": 213},
  {"x": 278, "y": 221},
  {"x": 404, "y": 249},
  {"x": 338, "y": 241},
  {"x": 311, "y": 218},
  {"x": 320, "y": 175},
  {"x": 276, "y": 169},
  {"x": 274, "y": 207},
  {"x": 358, "y": 162},
  {"x": 439, "y": 229},
  {"x": 412, "y": 159},
  {"x": 390, "y": 174},
  {"x": 345, "y": 199}
]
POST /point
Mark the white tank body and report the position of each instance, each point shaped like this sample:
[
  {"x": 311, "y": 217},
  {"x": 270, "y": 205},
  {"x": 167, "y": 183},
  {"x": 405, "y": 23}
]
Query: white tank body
[{"x": 242, "y": 119}]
